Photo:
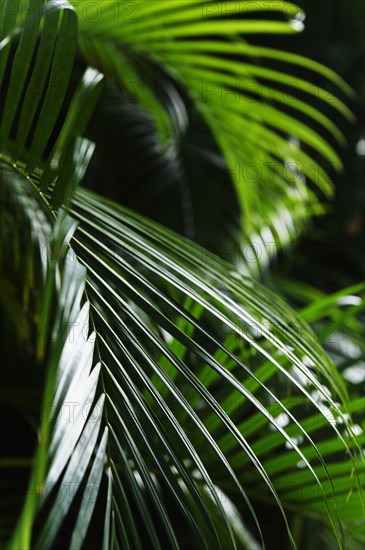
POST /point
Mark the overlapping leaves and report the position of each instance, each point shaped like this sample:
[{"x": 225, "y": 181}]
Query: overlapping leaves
[
  {"x": 271, "y": 124},
  {"x": 213, "y": 387}
]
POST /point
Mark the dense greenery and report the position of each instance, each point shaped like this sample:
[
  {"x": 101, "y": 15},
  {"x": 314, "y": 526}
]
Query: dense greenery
[{"x": 172, "y": 376}]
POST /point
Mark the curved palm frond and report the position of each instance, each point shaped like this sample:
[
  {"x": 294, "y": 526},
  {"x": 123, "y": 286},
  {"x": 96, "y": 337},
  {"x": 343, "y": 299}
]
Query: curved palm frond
[
  {"x": 163, "y": 290},
  {"x": 338, "y": 322},
  {"x": 64, "y": 440},
  {"x": 203, "y": 378},
  {"x": 252, "y": 111},
  {"x": 32, "y": 106}
]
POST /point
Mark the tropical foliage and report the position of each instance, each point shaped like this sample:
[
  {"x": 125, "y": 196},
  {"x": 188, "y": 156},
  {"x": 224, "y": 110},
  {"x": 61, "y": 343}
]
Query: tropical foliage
[{"x": 178, "y": 402}]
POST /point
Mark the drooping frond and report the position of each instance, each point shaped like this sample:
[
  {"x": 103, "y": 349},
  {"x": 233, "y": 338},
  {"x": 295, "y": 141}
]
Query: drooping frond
[
  {"x": 198, "y": 392},
  {"x": 270, "y": 124}
]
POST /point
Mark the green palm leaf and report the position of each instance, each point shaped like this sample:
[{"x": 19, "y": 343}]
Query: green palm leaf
[
  {"x": 249, "y": 114},
  {"x": 199, "y": 385}
]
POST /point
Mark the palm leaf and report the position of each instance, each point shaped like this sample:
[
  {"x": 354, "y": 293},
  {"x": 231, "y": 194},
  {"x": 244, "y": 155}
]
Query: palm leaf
[
  {"x": 242, "y": 101},
  {"x": 196, "y": 364},
  {"x": 338, "y": 323},
  {"x": 138, "y": 263}
]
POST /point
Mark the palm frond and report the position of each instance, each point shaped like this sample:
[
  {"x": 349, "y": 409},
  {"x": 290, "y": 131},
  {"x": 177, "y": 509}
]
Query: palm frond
[
  {"x": 337, "y": 320},
  {"x": 204, "y": 392},
  {"x": 252, "y": 110},
  {"x": 70, "y": 380},
  {"x": 151, "y": 276}
]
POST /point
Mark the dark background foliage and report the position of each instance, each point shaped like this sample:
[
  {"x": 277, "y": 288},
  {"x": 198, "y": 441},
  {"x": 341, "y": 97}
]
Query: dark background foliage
[{"x": 331, "y": 255}]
